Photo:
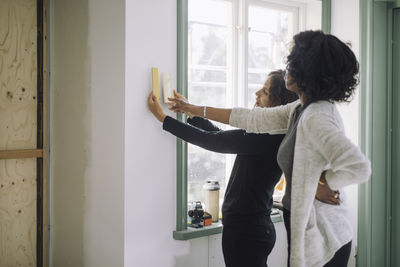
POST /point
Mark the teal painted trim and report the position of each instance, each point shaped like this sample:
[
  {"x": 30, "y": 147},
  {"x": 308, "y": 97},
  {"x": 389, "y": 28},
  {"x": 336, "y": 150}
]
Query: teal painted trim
[
  {"x": 192, "y": 233},
  {"x": 389, "y": 111},
  {"x": 214, "y": 229},
  {"x": 181, "y": 146},
  {"x": 374, "y": 236},
  {"x": 388, "y": 1},
  {"x": 326, "y": 16},
  {"x": 395, "y": 230},
  {"x": 393, "y": 3},
  {"x": 379, "y": 137},
  {"x": 364, "y": 192}
]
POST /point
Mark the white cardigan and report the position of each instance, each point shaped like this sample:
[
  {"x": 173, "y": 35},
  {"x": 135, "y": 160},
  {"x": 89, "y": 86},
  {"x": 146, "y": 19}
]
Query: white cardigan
[{"x": 318, "y": 230}]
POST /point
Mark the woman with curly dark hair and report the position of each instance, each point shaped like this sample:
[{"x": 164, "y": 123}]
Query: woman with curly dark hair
[
  {"x": 324, "y": 67},
  {"x": 321, "y": 70}
]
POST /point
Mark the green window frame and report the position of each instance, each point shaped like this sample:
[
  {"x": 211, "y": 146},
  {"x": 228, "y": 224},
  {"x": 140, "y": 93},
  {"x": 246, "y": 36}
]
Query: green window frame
[{"x": 182, "y": 232}]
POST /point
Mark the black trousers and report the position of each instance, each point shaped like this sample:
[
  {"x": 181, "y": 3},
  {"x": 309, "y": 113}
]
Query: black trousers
[
  {"x": 341, "y": 257},
  {"x": 248, "y": 244}
]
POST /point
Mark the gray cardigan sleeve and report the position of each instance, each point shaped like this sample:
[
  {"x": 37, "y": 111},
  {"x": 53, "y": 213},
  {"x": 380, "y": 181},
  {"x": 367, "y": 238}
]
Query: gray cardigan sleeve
[
  {"x": 348, "y": 163},
  {"x": 263, "y": 120}
]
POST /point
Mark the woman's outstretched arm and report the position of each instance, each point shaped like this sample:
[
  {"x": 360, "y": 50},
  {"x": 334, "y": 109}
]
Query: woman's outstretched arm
[
  {"x": 216, "y": 114},
  {"x": 230, "y": 141},
  {"x": 258, "y": 120},
  {"x": 235, "y": 141}
]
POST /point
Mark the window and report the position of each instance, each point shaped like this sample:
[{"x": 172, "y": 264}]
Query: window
[
  {"x": 228, "y": 48},
  {"x": 210, "y": 41},
  {"x": 270, "y": 29}
]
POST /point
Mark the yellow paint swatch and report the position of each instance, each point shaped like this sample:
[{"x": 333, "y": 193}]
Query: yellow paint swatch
[{"x": 155, "y": 82}]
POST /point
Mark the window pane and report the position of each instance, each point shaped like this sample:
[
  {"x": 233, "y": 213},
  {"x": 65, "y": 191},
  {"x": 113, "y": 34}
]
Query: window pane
[
  {"x": 257, "y": 78},
  {"x": 270, "y": 31},
  {"x": 269, "y": 20},
  {"x": 266, "y": 51},
  {"x": 207, "y": 95},
  {"x": 207, "y": 44},
  {"x": 210, "y": 11},
  {"x": 251, "y": 100},
  {"x": 196, "y": 75},
  {"x": 209, "y": 54},
  {"x": 203, "y": 166},
  {"x": 255, "y": 82}
]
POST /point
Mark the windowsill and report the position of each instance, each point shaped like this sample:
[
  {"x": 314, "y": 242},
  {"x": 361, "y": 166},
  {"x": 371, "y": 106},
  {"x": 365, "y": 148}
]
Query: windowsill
[
  {"x": 215, "y": 228},
  {"x": 190, "y": 233}
]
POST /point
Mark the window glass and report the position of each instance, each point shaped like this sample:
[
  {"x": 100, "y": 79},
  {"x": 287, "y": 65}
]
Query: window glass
[
  {"x": 210, "y": 11},
  {"x": 209, "y": 52},
  {"x": 207, "y": 44},
  {"x": 270, "y": 31}
]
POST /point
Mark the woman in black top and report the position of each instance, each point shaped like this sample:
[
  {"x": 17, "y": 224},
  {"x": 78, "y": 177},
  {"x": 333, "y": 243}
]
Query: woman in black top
[{"x": 248, "y": 234}]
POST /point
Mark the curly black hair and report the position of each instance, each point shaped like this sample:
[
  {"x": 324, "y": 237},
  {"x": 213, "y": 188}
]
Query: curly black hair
[
  {"x": 279, "y": 94},
  {"x": 323, "y": 67}
]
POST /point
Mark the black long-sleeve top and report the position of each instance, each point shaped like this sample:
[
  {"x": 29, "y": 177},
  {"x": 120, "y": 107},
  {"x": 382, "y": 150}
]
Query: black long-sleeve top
[{"x": 255, "y": 171}]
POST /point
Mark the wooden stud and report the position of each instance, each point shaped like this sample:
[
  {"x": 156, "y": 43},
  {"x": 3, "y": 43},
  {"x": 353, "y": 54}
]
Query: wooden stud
[{"x": 21, "y": 154}]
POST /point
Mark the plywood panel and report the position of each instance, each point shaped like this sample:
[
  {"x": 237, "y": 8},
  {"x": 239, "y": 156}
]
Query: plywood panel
[
  {"x": 18, "y": 109},
  {"x": 18, "y": 74},
  {"x": 17, "y": 212}
]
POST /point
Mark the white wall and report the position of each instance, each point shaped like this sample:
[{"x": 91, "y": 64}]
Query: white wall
[
  {"x": 345, "y": 25},
  {"x": 87, "y": 133},
  {"x": 150, "y": 154}
]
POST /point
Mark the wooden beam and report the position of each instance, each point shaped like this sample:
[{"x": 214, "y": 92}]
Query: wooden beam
[{"x": 20, "y": 154}]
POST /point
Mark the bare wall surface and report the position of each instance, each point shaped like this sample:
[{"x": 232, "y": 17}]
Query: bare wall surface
[
  {"x": 150, "y": 155},
  {"x": 70, "y": 130},
  {"x": 87, "y": 133},
  {"x": 104, "y": 186}
]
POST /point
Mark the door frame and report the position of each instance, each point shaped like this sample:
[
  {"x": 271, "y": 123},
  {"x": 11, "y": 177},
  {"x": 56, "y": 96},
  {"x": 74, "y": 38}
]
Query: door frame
[{"x": 375, "y": 207}]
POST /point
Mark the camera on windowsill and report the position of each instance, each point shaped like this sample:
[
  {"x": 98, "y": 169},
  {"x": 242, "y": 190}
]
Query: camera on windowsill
[{"x": 195, "y": 215}]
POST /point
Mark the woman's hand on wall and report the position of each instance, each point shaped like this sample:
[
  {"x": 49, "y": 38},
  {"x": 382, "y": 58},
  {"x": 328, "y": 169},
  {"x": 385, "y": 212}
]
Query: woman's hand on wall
[
  {"x": 325, "y": 194},
  {"x": 155, "y": 107}
]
